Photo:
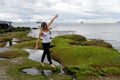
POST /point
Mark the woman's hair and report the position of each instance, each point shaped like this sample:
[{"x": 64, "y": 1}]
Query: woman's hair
[{"x": 44, "y": 27}]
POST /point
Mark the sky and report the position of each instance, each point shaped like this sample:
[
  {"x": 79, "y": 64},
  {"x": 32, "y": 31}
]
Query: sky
[{"x": 68, "y": 10}]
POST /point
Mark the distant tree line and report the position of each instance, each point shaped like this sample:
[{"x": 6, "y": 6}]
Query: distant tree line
[{"x": 17, "y": 29}]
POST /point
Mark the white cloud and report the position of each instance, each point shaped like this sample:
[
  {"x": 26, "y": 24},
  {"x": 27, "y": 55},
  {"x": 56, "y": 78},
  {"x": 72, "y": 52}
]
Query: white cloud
[
  {"x": 72, "y": 10},
  {"x": 108, "y": 6},
  {"x": 8, "y": 16},
  {"x": 42, "y": 18}
]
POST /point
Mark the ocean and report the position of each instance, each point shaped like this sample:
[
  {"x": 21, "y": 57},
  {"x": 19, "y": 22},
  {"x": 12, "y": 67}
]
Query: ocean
[{"x": 109, "y": 32}]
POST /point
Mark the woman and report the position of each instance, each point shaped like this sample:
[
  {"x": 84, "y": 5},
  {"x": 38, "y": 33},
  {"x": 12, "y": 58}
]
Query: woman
[{"x": 45, "y": 35}]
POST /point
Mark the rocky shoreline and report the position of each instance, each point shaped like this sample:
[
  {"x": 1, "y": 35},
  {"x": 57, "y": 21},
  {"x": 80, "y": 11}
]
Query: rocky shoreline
[{"x": 81, "y": 58}]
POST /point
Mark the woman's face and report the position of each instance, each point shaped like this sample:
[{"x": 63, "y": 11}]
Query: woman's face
[{"x": 44, "y": 26}]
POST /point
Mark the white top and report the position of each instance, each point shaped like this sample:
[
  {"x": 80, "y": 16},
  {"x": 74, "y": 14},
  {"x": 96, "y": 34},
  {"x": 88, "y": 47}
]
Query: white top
[{"x": 45, "y": 37}]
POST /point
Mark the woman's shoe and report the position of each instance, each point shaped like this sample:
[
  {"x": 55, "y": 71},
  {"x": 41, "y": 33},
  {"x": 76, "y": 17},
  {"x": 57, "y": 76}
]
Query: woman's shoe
[{"x": 52, "y": 65}]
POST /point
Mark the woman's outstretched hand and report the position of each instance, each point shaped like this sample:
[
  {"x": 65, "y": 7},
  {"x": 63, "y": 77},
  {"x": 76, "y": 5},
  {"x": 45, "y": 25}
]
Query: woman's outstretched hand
[
  {"x": 52, "y": 20},
  {"x": 56, "y": 15}
]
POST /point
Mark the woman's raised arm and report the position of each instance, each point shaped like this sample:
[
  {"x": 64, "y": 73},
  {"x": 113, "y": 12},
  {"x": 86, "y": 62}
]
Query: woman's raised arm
[{"x": 52, "y": 20}]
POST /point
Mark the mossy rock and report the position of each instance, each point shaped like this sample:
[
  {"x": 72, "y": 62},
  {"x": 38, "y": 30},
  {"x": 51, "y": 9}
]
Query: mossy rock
[
  {"x": 84, "y": 61},
  {"x": 18, "y": 34},
  {"x": 5, "y": 39},
  {"x": 13, "y": 53},
  {"x": 74, "y": 37},
  {"x": 19, "y": 29},
  {"x": 61, "y": 77},
  {"x": 26, "y": 44},
  {"x": 67, "y": 54},
  {"x": 2, "y": 44},
  {"x": 25, "y": 38},
  {"x": 13, "y": 69},
  {"x": 68, "y": 40},
  {"x": 14, "y": 34},
  {"x": 96, "y": 43}
]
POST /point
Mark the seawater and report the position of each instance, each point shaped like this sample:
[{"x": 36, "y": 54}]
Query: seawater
[{"x": 109, "y": 32}]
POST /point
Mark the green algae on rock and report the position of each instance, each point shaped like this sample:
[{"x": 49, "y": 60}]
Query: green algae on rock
[
  {"x": 13, "y": 53},
  {"x": 85, "y": 61}
]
